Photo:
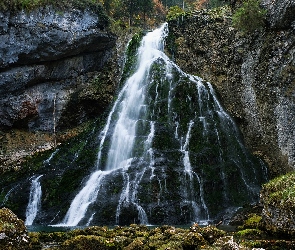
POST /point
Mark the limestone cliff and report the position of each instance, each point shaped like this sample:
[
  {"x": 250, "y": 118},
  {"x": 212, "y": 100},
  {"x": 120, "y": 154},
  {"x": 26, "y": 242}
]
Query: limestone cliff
[
  {"x": 46, "y": 57},
  {"x": 254, "y": 74},
  {"x": 54, "y": 75}
]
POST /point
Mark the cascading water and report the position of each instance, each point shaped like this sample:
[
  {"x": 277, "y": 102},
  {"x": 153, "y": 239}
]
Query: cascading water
[
  {"x": 34, "y": 201},
  {"x": 168, "y": 153}
]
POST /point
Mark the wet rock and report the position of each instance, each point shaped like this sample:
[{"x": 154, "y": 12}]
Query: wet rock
[
  {"x": 13, "y": 233},
  {"x": 226, "y": 243}
]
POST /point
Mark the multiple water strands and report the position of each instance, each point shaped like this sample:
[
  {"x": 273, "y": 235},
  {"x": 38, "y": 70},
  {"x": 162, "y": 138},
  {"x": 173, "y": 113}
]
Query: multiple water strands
[
  {"x": 34, "y": 201},
  {"x": 139, "y": 149},
  {"x": 168, "y": 154}
]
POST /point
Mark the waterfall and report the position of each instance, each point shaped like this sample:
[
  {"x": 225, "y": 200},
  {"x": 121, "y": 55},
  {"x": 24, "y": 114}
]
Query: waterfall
[
  {"x": 169, "y": 153},
  {"x": 34, "y": 201}
]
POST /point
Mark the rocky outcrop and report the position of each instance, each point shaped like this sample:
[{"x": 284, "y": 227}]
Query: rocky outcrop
[
  {"x": 46, "y": 57},
  {"x": 13, "y": 233},
  {"x": 280, "y": 13},
  {"x": 278, "y": 205},
  {"x": 254, "y": 75}
]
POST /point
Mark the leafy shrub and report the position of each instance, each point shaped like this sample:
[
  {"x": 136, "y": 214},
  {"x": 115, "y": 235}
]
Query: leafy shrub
[
  {"x": 249, "y": 17},
  {"x": 174, "y": 12}
]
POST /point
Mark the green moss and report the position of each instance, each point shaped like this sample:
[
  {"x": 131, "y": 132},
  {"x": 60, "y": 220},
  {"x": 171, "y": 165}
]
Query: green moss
[
  {"x": 280, "y": 191},
  {"x": 34, "y": 241},
  {"x": 131, "y": 56},
  {"x": 253, "y": 221},
  {"x": 250, "y": 234},
  {"x": 89, "y": 242}
]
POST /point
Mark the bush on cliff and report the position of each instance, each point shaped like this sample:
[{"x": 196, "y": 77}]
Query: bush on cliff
[{"x": 249, "y": 17}]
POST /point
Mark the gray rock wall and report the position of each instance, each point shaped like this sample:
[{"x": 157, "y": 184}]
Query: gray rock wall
[
  {"x": 45, "y": 57},
  {"x": 280, "y": 13},
  {"x": 254, "y": 75}
]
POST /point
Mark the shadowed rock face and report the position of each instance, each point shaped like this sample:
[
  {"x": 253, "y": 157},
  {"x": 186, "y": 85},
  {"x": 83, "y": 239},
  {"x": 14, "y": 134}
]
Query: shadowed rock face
[
  {"x": 280, "y": 13},
  {"x": 46, "y": 57}
]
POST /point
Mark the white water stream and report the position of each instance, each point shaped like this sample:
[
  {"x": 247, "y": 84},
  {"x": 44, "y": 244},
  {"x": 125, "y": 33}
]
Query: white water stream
[
  {"x": 119, "y": 136},
  {"x": 34, "y": 201},
  {"x": 128, "y": 108}
]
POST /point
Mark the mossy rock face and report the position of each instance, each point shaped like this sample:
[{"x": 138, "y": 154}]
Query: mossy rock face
[
  {"x": 278, "y": 198},
  {"x": 13, "y": 233},
  {"x": 87, "y": 242},
  {"x": 250, "y": 234},
  {"x": 211, "y": 233}
]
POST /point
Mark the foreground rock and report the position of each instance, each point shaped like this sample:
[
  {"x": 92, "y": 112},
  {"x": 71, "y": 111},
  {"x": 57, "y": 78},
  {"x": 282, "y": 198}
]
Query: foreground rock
[
  {"x": 14, "y": 236},
  {"x": 278, "y": 199},
  {"x": 13, "y": 233}
]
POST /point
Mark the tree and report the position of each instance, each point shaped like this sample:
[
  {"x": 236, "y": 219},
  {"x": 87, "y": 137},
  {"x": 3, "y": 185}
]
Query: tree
[
  {"x": 159, "y": 10},
  {"x": 146, "y": 8}
]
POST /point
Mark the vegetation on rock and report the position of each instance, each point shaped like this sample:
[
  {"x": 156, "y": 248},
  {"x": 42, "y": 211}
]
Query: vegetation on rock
[
  {"x": 249, "y": 17},
  {"x": 14, "y": 236},
  {"x": 280, "y": 191},
  {"x": 131, "y": 238},
  {"x": 13, "y": 233}
]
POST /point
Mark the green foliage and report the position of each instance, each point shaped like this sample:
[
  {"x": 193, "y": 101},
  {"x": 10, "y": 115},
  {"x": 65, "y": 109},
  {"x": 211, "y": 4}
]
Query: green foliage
[
  {"x": 280, "y": 191},
  {"x": 253, "y": 221},
  {"x": 174, "y": 12},
  {"x": 249, "y": 17}
]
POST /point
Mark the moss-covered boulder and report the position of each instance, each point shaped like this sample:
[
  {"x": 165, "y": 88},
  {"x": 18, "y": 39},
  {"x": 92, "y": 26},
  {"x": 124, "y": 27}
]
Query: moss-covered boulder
[
  {"x": 13, "y": 233},
  {"x": 278, "y": 198}
]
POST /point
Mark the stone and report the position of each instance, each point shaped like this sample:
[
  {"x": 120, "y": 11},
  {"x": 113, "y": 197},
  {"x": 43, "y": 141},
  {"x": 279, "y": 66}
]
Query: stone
[
  {"x": 13, "y": 233},
  {"x": 280, "y": 13}
]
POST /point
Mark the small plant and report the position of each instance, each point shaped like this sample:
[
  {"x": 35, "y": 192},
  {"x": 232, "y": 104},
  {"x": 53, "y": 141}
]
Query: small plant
[{"x": 249, "y": 17}]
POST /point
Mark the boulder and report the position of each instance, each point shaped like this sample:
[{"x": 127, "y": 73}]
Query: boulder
[
  {"x": 13, "y": 233},
  {"x": 277, "y": 197}
]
